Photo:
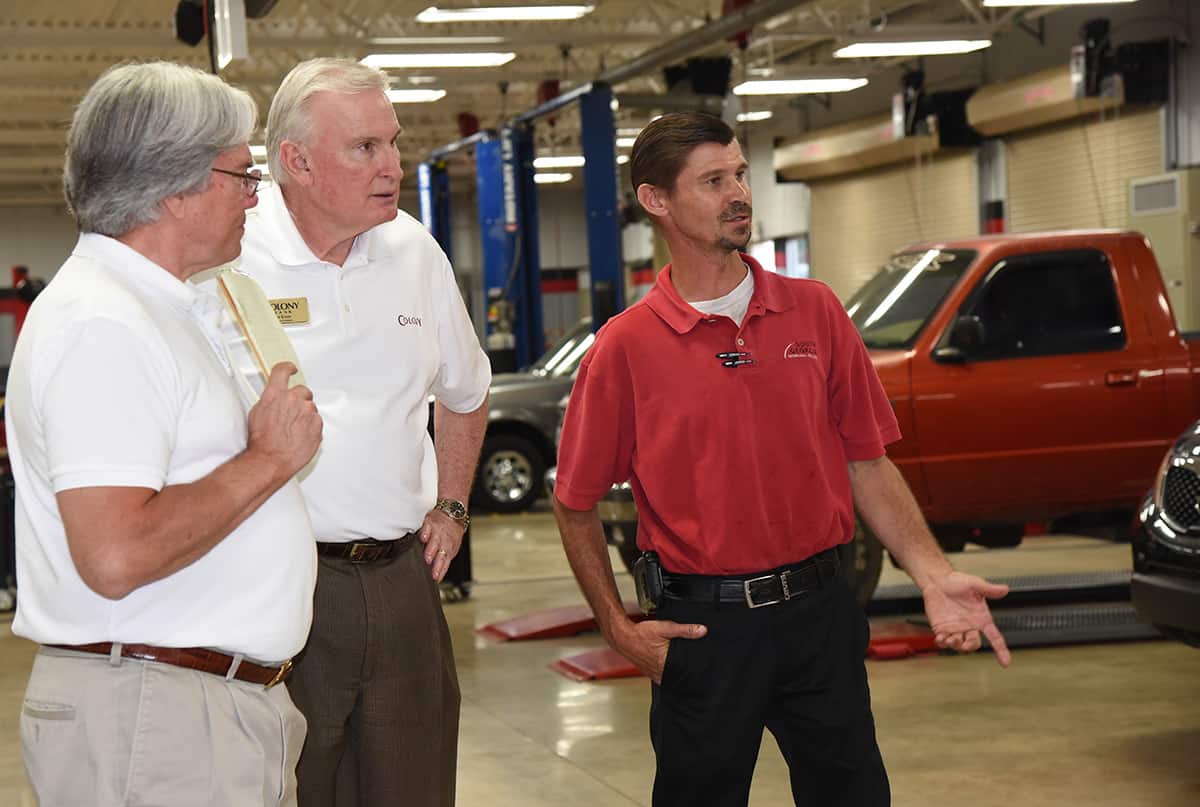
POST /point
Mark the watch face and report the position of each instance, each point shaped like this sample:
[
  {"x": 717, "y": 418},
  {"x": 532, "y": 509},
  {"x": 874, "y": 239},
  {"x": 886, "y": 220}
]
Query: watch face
[{"x": 453, "y": 508}]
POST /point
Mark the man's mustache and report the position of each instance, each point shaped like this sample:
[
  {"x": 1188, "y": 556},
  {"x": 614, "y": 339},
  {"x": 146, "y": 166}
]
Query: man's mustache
[{"x": 735, "y": 210}]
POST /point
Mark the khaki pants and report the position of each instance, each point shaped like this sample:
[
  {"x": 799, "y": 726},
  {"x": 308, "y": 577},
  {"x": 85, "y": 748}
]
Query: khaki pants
[
  {"x": 127, "y": 732},
  {"x": 378, "y": 686}
]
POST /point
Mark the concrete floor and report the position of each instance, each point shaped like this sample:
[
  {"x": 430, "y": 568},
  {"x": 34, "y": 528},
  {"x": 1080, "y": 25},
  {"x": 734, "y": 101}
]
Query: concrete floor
[{"x": 1112, "y": 724}]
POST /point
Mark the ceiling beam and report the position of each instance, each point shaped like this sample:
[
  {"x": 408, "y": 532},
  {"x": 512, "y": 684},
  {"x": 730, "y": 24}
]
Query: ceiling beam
[{"x": 36, "y": 37}]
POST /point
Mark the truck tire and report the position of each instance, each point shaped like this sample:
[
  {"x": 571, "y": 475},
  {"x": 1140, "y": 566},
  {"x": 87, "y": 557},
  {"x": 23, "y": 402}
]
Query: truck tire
[
  {"x": 861, "y": 562},
  {"x": 510, "y": 474}
]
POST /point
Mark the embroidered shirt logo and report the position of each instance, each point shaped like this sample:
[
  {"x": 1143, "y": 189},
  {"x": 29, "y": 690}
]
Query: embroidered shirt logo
[
  {"x": 800, "y": 350},
  {"x": 407, "y": 320}
]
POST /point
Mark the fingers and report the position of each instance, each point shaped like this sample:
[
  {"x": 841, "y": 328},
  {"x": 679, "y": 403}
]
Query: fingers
[
  {"x": 999, "y": 646},
  {"x": 678, "y": 630},
  {"x": 280, "y": 374},
  {"x": 993, "y": 591}
]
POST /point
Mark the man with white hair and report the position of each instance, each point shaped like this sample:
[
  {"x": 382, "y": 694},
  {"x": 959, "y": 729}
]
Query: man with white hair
[
  {"x": 163, "y": 548},
  {"x": 371, "y": 305}
]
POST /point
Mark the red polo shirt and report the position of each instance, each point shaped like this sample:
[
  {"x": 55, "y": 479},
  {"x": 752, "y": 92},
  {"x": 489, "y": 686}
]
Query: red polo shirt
[{"x": 734, "y": 470}]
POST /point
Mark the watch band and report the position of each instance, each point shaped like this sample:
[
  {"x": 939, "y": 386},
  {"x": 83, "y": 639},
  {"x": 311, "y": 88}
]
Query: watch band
[{"x": 455, "y": 509}]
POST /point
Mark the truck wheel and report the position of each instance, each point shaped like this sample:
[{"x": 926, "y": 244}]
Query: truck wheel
[
  {"x": 510, "y": 474},
  {"x": 862, "y": 562}
]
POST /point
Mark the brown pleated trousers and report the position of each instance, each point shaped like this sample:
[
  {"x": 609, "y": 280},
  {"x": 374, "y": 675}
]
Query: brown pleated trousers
[{"x": 378, "y": 686}]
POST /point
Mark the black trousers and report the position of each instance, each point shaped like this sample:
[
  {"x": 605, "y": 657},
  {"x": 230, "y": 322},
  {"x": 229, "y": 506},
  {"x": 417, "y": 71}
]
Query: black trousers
[{"x": 796, "y": 669}]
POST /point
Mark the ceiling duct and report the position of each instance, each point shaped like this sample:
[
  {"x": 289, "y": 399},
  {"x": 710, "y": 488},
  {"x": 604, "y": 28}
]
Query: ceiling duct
[
  {"x": 1048, "y": 96},
  {"x": 855, "y": 146}
]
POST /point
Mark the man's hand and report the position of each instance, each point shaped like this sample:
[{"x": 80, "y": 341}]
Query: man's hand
[
  {"x": 956, "y": 604},
  {"x": 646, "y": 643},
  {"x": 442, "y": 537},
  {"x": 284, "y": 425}
]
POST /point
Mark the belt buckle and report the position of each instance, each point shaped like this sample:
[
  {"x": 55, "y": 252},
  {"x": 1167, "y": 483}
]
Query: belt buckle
[
  {"x": 746, "y": 585},
  {"x": 280, "y": 674},
  {"x": 359, "y": 552}
]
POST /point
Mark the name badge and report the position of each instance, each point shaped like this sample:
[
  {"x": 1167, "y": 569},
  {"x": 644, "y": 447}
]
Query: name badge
[{"x": 291, "y": 310}]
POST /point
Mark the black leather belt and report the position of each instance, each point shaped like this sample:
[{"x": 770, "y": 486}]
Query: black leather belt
[
  {"x": 368, "y": 551},
  {"x": 755, "y": 590}
]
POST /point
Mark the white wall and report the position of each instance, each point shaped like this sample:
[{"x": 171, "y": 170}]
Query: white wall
[
  {"x": 780, "y": 208},
  {"x": 38, "y": 237}
]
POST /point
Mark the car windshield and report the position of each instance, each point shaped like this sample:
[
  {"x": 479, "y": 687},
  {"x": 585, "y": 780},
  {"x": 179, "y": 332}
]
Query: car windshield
[
  {"x": 563, "y": 358},
  {"x": 892, "y": 307}
]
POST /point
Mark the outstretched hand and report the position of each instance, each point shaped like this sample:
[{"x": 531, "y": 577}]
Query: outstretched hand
[{"x": 956, "y": 604}]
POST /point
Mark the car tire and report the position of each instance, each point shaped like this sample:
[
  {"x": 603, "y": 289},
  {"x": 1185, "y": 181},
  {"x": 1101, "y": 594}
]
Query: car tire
[
  {"x": 510, "y": 473},
  {"x": 861, "y": 562}
]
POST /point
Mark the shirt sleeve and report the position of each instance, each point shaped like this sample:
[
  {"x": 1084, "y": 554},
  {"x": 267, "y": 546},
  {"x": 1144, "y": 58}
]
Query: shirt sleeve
[
  {"x": 108, "y": 407},
  {"x": 598, "y": 435},
  {"x": 859, "y": 405},
  {"x": 464, "y": 372}
]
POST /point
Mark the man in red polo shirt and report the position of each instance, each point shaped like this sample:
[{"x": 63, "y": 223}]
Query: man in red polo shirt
[{"x": 745, "y": 411}]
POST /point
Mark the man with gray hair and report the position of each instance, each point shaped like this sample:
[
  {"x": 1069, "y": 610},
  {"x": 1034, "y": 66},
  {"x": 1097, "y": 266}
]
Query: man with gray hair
[
  {"x": 163, "y": 548},
  {"x": 371, "y": 305}
]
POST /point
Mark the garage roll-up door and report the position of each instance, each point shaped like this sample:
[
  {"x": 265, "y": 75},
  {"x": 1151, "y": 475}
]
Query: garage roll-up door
[
  {"x": 1077, "y": 175},
  {"x": 860, "y": 219}
]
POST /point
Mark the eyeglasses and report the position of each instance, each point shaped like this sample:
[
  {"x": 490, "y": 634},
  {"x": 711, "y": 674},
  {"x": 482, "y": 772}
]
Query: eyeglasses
[{"x": 249, "y": 181}]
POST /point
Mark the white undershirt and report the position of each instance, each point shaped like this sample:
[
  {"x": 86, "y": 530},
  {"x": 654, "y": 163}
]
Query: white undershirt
[{"x": 732, "y": 305}]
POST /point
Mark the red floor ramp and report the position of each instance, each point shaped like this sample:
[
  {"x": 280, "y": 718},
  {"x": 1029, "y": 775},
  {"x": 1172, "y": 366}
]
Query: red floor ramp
[
  {"x": 552, "y": 623},
  {"x": 898, "y": 639},
  {"x": 595, "y": 665}
]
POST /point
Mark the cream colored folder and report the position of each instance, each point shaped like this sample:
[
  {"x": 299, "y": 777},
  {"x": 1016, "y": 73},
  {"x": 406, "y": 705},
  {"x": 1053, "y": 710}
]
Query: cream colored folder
[{"x": 252, "y": 312}]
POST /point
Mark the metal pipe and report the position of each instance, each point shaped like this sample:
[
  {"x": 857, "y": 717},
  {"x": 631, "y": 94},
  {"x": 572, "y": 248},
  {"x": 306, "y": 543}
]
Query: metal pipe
[
  {"x": 692, "y": 41},
  {"x": 445, "y": 151},
  {"x": 712, "y": 103},
  {"x": 554, "y": 104}
]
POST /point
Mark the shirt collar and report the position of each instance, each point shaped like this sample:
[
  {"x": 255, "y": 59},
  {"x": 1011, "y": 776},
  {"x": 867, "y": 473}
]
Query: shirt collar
[
  {"x": 283, "y": 239},
  {"x": 770, "y": 294},
  {"x": 137, "y": 271}
]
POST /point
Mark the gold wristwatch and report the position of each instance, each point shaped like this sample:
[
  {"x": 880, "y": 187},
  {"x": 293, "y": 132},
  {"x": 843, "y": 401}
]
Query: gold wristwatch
[{"x": 455, "y": 509}]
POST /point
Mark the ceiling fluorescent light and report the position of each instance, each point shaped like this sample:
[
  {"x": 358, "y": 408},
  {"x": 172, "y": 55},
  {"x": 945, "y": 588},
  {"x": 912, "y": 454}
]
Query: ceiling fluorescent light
[
  {"x": 622, "y": 159},
  {"x": 752, "y": 117},
  {"x": 435, "y": 41},
  {"x": 409, "y": 60},
  {"x": 258, "y": 152},
  {"x": 927, "y": 47},
  {"x": 1009, "y": 3},
  {"x": 625, "y": 142},
  {"x": 566, "y": 161},
  {"x": 798, "y": 86},
  {"x": 631, "y": 132},
  {"x": 551, "y": 179},
  {"x": 415, "y": 96},
  {"x": 504, "y": 13}
]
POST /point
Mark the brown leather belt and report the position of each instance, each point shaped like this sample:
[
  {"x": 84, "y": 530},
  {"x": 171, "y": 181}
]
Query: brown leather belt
[
  {"x": 191, "y": 658},
  {"x": 368, "y": 551}
]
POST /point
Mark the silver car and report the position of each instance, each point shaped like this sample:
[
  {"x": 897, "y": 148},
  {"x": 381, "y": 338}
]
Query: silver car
[{"x": 522, "y": 417}]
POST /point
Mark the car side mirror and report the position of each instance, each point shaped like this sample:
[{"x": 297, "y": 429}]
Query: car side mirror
[{"x": 966, "y": 337}]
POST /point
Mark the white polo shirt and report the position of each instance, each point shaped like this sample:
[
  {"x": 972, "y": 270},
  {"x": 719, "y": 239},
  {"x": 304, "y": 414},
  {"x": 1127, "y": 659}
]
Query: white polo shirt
[
  {"x": 383, "y": 331},
  {"x": 120, "y": 378}
]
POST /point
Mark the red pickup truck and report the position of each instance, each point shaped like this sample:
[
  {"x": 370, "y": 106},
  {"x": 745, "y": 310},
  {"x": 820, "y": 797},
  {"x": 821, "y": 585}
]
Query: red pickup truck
[{"x": 1038, "y": 379}]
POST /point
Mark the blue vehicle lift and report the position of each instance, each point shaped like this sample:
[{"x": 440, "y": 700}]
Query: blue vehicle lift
[{"x": 508, "y": 221}]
